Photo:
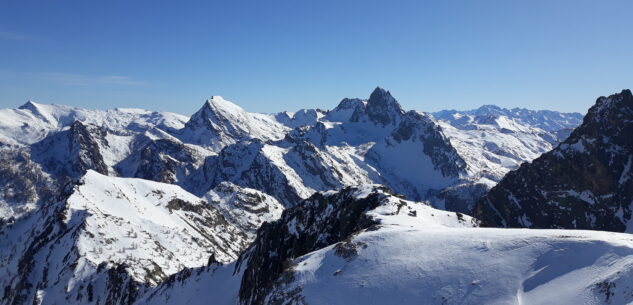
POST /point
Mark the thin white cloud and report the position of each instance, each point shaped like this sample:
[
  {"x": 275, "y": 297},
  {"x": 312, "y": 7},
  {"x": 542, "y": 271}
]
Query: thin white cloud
[
  {"x": 70, "y": 79},
  {"x": 7, "y": 35}
]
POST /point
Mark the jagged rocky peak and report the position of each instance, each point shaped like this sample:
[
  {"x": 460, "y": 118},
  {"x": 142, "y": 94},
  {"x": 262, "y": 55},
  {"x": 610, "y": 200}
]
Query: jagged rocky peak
[
  {"x": 613, "y": 109},
  {"x": 344, "y": 110},
  {"x": 381, "y": 108},
  {"x": 584, "y": 183},
  {"x": 350, "y": 103}
]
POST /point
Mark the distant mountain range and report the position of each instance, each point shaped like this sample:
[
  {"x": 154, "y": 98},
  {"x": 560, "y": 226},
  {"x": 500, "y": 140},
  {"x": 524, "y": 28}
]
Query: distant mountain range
[{"x": 366, "y": 202}]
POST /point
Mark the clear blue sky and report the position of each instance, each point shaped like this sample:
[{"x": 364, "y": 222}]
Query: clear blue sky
[{"x": 269, "y": 56}]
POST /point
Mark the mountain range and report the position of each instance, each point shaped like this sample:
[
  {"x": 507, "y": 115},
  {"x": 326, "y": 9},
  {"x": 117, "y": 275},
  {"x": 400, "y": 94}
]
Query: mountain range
[{"x": 364, "y": 203}]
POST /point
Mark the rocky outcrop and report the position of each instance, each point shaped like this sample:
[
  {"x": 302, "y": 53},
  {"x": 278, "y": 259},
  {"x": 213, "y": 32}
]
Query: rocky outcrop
[{"x": 584, "y": 183}]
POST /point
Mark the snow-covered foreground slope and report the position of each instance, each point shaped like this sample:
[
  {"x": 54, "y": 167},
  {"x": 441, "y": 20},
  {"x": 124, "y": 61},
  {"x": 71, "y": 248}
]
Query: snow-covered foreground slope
[
  {"x": 107, "y": 238},
  {"x": 365, "y": 246},
  {"x": 410, "y": 265}
]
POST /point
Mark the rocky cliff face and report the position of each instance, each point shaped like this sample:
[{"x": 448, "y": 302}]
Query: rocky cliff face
[
  {"x": 584, "y": 183},
  {"x": 71, "y": 152}
]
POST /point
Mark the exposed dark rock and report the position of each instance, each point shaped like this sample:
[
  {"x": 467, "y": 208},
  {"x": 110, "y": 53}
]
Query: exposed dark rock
[{"x": 584, "y": 183}]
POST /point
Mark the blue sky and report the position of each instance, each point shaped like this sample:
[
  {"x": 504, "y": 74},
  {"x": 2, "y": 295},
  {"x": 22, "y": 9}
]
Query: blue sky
[{"x": 269, "y": 56}]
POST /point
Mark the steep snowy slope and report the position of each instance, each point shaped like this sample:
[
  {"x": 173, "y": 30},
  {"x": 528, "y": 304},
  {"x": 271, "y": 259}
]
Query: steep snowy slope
[
  {"x": 322, "y": 220},
  {"x": 107, "y": 238},
  {"x": 584, "y": 183}
]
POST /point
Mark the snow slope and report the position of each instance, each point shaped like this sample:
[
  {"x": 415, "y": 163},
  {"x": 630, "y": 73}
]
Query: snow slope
[{"x": 106, "y": 231}]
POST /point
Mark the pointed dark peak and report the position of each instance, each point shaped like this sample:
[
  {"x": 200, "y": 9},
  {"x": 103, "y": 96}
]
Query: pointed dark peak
[
  {"x": 616, "y": 108},
  {"x": 380, "y": 95},
  {"x": 383, "y": 108}
]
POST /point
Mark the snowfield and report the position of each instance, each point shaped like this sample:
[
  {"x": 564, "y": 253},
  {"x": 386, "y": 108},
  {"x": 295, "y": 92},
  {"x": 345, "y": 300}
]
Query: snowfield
[{"x": 408, "y": 265}]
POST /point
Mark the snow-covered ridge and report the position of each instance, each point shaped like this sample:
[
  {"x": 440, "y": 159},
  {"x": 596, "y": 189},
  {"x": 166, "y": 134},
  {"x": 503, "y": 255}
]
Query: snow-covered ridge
[
  {"x": 31, "y": 122},
  {"x": 547, "y": 120}
]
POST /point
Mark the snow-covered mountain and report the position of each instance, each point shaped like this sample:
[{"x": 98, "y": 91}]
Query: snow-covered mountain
[{"x": 586, "y": 182}]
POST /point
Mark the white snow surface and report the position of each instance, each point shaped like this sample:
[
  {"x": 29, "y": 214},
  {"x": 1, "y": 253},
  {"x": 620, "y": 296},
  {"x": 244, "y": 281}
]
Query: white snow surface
[{"x": 408, "y": 264}]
